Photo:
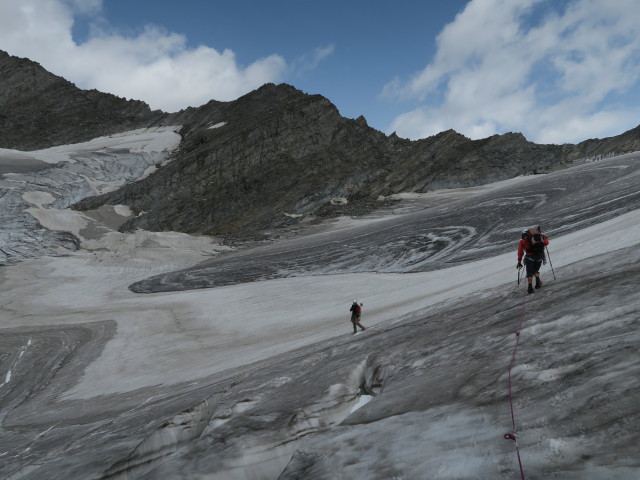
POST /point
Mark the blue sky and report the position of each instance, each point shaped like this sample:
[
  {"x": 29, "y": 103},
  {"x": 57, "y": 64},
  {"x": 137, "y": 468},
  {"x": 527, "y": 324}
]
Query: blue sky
[
  {"x": 364, "y": 41},
  {"x": 559, "y": 71}
]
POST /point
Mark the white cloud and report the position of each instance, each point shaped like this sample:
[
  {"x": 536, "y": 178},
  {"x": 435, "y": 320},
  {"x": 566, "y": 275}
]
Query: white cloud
[
  {"x": 155, "y": 66},
  {"x": 310, "y": 62},
  {"x": 88, "y": 7},
  {"x": 522, "y": 66}
]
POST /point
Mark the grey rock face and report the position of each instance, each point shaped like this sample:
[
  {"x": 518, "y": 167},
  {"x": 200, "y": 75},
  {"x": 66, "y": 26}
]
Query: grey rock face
[{"x": 39, "y": 109}]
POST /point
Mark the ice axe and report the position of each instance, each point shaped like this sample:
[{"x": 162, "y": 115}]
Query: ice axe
[{"x": 519, "y": 273}]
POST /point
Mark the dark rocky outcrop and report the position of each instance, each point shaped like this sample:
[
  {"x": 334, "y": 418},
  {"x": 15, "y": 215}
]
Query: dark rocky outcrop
[{"x": 39, "y": 109}]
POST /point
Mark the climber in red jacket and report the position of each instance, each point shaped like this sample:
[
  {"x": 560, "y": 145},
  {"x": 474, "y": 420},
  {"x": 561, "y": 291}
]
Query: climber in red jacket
[
  {"x": 532, "y": 245},
  {"x": 356, "y": 310}
]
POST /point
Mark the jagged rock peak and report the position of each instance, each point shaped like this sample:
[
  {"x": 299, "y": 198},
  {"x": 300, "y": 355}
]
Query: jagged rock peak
[
  {"x": 362, "y": 121},
  {"x": 273, "y": 89},
  {"x": 270, "y": 93},
  {"x": 40, "y": 109}
]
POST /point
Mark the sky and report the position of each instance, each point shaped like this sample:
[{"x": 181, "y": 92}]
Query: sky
[{"x": 559, "y": 71}]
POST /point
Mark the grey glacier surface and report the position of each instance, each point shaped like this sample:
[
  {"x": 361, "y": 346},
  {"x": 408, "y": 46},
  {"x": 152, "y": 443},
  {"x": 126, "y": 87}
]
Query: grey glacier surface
[
  {"x": 68, "y": 175},
  {"x": 166, "y": 356}
]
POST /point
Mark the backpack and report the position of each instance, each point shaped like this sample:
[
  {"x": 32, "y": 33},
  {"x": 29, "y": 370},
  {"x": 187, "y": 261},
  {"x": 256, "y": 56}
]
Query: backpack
[
  {"x": 535, "y": 241},
  {"x": 356, "y": 308}
]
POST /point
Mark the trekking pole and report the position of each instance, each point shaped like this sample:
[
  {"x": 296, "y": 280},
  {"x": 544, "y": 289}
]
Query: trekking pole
[
  {"x": 549, "y": 257},
  {"x": 550, "y": 264}
]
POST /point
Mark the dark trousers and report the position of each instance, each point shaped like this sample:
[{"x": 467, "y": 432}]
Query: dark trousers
[
  {"x": 533, "y": 263},
  {"x": 355, "y": 319}
]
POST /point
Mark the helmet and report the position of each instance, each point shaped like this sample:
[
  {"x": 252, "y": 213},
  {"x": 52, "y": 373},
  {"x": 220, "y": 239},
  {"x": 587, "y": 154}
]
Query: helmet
[
  {"x": 524, "y": 233},
  {"x": 355, "y": 301}
]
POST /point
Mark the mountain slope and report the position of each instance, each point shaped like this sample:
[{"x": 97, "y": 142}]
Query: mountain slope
[
  {"x": 268, "y": 159},
  {"x": 277, "y": 154},
  {"x": 39, "y": 109}
]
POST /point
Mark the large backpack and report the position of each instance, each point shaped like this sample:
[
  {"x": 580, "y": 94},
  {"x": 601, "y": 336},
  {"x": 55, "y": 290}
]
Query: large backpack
[{"x": 535, "y": 241}]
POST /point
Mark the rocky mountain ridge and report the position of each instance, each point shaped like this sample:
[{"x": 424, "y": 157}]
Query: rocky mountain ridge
[
  {"x": 278, "y": 154},
  {"x": 39, "y": 109},
  {"x": 269, "y": 158}
]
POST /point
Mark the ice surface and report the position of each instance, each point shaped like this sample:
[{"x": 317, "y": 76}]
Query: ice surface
[
  {"x": 261, "y": 377},
  {"x": 141, "y": 140},
  {"x": 32, "y": 194}
]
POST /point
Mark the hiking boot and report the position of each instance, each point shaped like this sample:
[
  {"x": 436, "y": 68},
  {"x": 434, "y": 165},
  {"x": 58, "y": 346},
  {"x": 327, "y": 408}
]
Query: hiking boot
[
  {"x": 538, "y": 282},
  {"x": 530, "y": 289}
]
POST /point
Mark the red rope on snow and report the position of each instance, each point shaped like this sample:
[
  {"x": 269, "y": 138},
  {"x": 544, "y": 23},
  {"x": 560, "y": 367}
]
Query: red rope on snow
[
  {"x": 513, "y": 435},
  {"x": 510, "y": 435}
]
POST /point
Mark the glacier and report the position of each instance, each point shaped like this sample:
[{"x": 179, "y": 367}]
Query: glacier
[{"x": 166, "y": 355}]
